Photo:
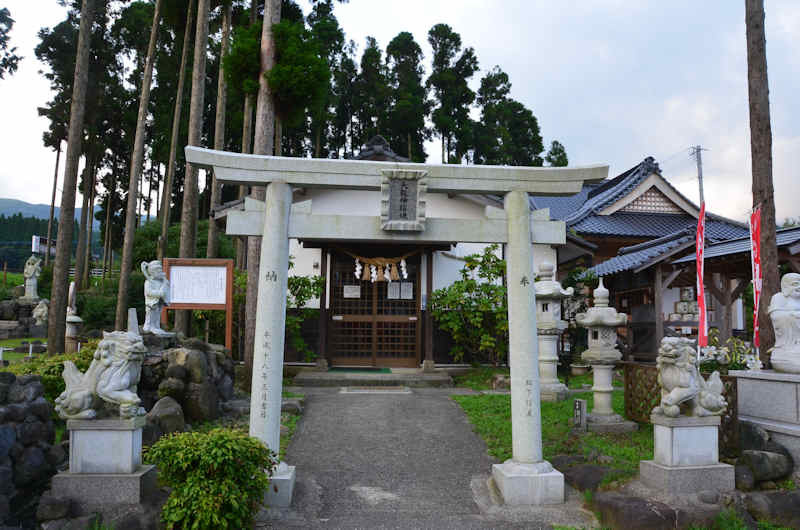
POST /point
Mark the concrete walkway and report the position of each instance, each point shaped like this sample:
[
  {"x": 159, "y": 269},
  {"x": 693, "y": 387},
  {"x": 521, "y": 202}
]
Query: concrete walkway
[{"x": 376, "y": 460}]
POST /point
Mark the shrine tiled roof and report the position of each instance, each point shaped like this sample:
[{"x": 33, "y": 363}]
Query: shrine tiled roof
[
  {"x": 644, "y": 224},
  {"x": 636, "y": 256},
  {"x": 783, "y": 237}
]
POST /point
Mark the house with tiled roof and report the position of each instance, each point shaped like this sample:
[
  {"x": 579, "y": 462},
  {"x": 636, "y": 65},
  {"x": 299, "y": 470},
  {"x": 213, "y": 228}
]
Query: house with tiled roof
[{"x": 637, "y": 223}]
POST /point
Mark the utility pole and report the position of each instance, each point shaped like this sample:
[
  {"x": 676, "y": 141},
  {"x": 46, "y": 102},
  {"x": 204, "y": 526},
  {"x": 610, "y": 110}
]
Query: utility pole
[{"x": 697, "y": 154}]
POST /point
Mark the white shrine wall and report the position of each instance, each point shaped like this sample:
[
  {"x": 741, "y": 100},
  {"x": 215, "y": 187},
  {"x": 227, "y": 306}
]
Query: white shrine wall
[{"x": 446, "y": 265}]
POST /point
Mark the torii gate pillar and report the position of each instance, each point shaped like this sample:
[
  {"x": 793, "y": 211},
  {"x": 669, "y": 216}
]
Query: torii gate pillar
[
  {"x": 526, "y": 478},
  {"x": 265, "y": 393}
]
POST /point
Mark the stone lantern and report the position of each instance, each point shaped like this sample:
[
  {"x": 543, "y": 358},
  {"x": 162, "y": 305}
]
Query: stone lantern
[
  {"x": 602, "y": 321},
  {"x": 549, "y": 325}
]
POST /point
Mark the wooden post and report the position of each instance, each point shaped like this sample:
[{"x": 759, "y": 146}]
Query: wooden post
[
  {"x": 322, "y": 358},
  {"x": 727, "y": 310},
  {"x": 658, "y": 302},
  {"x": 428, "y": 365}
]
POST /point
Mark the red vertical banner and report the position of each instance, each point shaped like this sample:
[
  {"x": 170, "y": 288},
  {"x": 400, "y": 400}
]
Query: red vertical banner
[
  {"x": 755, "y": 256},
  {"x": 700, "y": 244}
]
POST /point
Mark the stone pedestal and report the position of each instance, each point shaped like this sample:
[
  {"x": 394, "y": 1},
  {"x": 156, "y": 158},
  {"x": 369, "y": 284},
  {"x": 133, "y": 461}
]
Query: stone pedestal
[
  {"x": 281, "y": 487},
  {"x": 603, "y": 418},
  {"x": 322, "y": 364},
  {"x": 528, "y": 484},
  {"x": 550, "y": 388},
  {"x": 71, "y": 333},
  {"x": 428, "y": 366},
  {"x": 105, "y": 464},
  {"x": 771, "y": 400},
  {"x": 686, "y": 456},
  {"x": 31, "y": 288}
]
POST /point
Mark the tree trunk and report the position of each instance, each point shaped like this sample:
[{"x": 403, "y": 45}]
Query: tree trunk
[
  {"x": 58, "y": 300},
  {"x": 149, "y": 200},
  {"x": 137, "y": 160},
  {"x": 212, "y": 248},
  {"x": 761, "y": 155},
  {"x": 87, "y": 262},
  {"x": 408, "y": 140},
  {"x": 52, "y": 207},
  {"x": 188, "y": 241},
  {"x": 81, "y": 250},
  {"x": 107, "y": 239},
  {"x": 263, "y": 144},
  {"x": 166, "y": 195},
  {"x": 158, "y": 189}
]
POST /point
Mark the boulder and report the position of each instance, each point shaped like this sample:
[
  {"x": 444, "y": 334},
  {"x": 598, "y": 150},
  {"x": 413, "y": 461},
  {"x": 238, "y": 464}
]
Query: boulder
[
  {"x": 168, "y": 415},
  {"x": 51, "y": 507},
  {"x": 16, "y": 412},
  {"x": 193, "y": 360},
  {"x": 5, "y": 508},
  {"x": 745, "y": 481},
  {"x": 28, "y": 378},
  {"x": 172, "y": 387},
  {"x": 6, "y": 480},
  {"x": 616, "y": 510},
  {"x": 30, "y": 467},
  {"x": 177, "y": 371},
  {"x": 201, "y": 402},
  {"x": 30, "y": 431},
  {"x": 777, "y": 507},
  {"x": 4, "y": 388},
  {"x": 766, "y": 465},
  {"x": 501, "y": 382},
  {"x": 41, "y": 408},
  {"x": 7, "y": 378},
  {"x": 57, "y": 455},
  {"x": 8, "y": 310},
  {"x": 225, "y": 387},
  {"x": 292, "y": 405},
  {"x": 8, "y": 437},
  {"x": 585, "y": 477}
]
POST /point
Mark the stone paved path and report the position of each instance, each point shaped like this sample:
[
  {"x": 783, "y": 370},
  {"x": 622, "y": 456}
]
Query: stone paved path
[{"x": 386, "y": 461}]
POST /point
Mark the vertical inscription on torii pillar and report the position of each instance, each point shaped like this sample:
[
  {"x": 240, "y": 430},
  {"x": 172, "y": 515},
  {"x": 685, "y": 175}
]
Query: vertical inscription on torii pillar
[{"x": 403, "y": 200}]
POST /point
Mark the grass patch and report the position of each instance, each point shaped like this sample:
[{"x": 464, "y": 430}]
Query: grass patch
[
  {"x": 12, "y": 279},
  {"x": 13, "y": 357},
  {"x": 478, "y": 378},
  {"x": 290, "y": 395},
  {"x": 729, "y": 520},
  {"x": 491, "y": 419}
]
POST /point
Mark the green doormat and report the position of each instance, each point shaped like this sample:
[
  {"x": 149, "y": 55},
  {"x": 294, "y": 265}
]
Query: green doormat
[{"x": 365, "y": 369}]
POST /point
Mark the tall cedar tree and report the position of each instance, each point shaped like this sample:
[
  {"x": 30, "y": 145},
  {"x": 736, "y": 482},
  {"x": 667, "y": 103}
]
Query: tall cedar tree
[
  {"x": 409, "y": 103},
  {"x": 372, "y": 94},
  {"x": 8, "y": 59},
  {"x": 761, "y": 156},
  {"x": 189, "y": 211},
  {"x": 58, "y": 300},
  {"x": 449, "y": 79},
  {"x": 137, "y": 160},
  {"x": 557, "y": 155},
  {"x": 329, "y": 39}
]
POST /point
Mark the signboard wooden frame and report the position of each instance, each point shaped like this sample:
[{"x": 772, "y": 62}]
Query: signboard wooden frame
[{"x": 168, "y": 263}]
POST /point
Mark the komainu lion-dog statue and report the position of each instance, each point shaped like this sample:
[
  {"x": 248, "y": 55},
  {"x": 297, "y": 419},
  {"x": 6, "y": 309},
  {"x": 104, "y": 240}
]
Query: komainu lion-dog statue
[{"x": 683, "y": 389}]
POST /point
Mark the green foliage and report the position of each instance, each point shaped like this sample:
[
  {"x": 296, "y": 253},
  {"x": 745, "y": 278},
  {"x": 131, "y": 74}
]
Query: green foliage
[
  {"x": 145, "y": 241},
  {"x": 730, "y": 356},
  {"x": 557, "y": 155},
  {"x": 50, "y": 367},
  {"x": 300, "y": 77},
  {"x": 8, "y": 59},
  {"x": 474, "y": 309},
  {"x": 301, "y": 290},
  {"x": 97, "y": 305},
  {"x": 218, "y": 478},
  {"x": 409, "y": 104},
  {"x": 242, "y": 64},
  {"x": 478, "y": 378}
]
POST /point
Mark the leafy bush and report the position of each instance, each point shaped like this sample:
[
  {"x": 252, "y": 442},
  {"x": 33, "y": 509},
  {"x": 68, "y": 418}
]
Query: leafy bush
[
  {"x": 50, "y": 367},
  {"x": 97, "y": 305},
  {"x": 218, "y": 478},
  {"x": 301, "y": 290},
  {"x": 474, "y": 309}
]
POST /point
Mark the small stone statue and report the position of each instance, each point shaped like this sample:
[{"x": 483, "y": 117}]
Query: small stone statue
[
  {"x": 683, "y": 389},
  {"x": 40, "y": 312},
  {"x": 112, "y": 378},
  {"x": 72, "y": 305},
  {"x": 33, "y": 267},
  {"x": 156, "y": 296},
  {"x": 784, "y": 311}
]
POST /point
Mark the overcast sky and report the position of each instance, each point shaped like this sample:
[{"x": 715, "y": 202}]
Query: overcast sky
[{"x": 613, "y": 80}]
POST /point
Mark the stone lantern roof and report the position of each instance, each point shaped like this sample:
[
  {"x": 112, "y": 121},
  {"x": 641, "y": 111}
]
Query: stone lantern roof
[
  {"x": 602, "y": 321},
  {"x": 547, "y": 288}
]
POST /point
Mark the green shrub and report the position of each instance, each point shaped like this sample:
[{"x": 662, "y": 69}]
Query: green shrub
[
  {"x": 145, "y": 241},
  {"x": 218, "y": 478},
  {"x": 97, "y": 305},
  {"x": 50, "y": 367}
]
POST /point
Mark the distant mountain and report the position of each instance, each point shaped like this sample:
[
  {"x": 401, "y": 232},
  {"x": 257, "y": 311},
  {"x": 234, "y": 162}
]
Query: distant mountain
[{"x": 40, "y": 211}]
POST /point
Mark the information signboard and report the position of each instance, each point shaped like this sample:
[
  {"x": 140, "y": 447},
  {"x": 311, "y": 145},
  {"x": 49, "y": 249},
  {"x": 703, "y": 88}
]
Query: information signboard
[{"x": 201, "y": 284}]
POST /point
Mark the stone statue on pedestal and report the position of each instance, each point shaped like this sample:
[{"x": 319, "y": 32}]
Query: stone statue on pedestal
[
  {"x": 156, "y": 296},
  {"x": 683, "y": 389},
  {"x": 33, "y": 267},
  {"x": 784, "y": 310},
  {"x": 40, "y": 312},
  {"x": 111, "y": 378}
]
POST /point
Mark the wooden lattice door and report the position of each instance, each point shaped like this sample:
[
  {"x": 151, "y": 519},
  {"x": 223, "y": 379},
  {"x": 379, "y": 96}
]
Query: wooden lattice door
[{"x": 374, "y": 324}]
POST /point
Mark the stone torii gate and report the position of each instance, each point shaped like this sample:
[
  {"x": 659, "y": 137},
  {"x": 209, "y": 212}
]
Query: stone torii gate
[{"x": 524, "y": 479}]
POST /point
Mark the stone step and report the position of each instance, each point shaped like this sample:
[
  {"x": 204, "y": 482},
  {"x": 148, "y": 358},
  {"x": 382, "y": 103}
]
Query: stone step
[{"x": 8, "y": 324}]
